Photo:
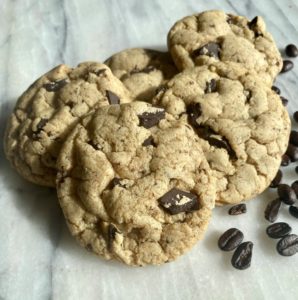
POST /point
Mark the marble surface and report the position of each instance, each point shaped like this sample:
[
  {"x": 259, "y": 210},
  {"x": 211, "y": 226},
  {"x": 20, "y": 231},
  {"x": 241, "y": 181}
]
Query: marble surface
[{"x": 38, "y": 257}]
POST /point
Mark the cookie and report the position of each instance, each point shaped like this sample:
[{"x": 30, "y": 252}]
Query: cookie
[
  {"x": 142, "y": 71},
  {"x": 242, "y": 123},
  {"x": 214, "y": 36},
  {"x": 49, "y": 109},
  {"x": 134, "y": 184}
]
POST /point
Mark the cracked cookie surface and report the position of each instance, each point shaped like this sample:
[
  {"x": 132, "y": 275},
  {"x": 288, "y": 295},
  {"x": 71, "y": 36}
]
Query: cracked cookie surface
[
  {"x": 142, "y": 71},
  {"x": 134, "y": 185},
  {"x": 49, "y": 109},
  {"x": 216, "y": 36},
  {"x": 242, "y": 123}
]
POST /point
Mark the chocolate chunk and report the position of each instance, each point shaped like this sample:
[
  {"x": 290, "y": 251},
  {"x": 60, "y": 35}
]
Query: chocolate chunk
[
  {"x": 271, "y": 211},
  {"x": 55, "y": 85},
  {"x": 145, "y": 70},
  {"x": 241, "y": 258},
  {"x": 41, "y": 124},
  {"x": 237, "y": 209},
  {"x": 194, "y": 111},
  {"x": 278, "y": 230},
  {"x": 276, "y": 89},
  {"x": 292, "y": 152},
  {"x": 293, "y": 211},
  {"x": 277, "y": 179},
  {"x": 230, "y": 19},
  {"x": 294, "y": 137},
  {"x": 291, "y": 50},
  {"x": 294, "y": 186},
  {"x": 230, "y": 239},
  {"x": 112, "y": 98},
  {"x": 176, "y": 201},
  {"x": 150, "y": 119},
  {"x": 287, "y": 66},
  {"x": 252, "y": 25},
  {"x": 161, "y": 88},
  {"x": 288, "y": 245},
  {"x": 285, "y": 160},
  {"x": 111, "y": 234},
  {"x": 295, "y": 116},
  {"x": 211, "y": 86},
  {"x": 210, "y": 49},
  {"x": 286, "y": 194},
  {"x": 149, "y": 142},
  {"x": 248, "y": 95},
  {"x": 284, "y": 101},
  {"x": 115, "y": 181}
]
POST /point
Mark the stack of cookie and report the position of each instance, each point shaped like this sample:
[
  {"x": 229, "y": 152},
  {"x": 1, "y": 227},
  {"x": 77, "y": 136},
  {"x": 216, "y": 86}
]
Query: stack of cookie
[{"x": 141, "y": 148}]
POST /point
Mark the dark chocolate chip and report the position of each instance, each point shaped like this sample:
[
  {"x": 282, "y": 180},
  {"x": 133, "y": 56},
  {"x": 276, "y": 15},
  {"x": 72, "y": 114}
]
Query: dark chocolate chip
[
  {"x": 248, "y": 96},
  {"x": 194, "y": 111},
  {"x": 55, "y": 85},
  {"x": 145, "y": 70},
  {"x": 210, "y": 49},
  {"x": 115, "y": 181},
  {"x": 286, "y": 194},
  {"x": 161, "y": 88},
  {"x": 252, "y": 25},
  {"x": 294, "y": 137},
  {"x": 287, "y": 65},
  {"x": 241, "y": 258},
  {"x": 211, "y": 86},
  {"x": 276, "y": 89},
  {"x": 293, "y": 211},
  {"x": 284, "y": 101},
  {"x": 237, "y": 209},
  {"x": 149, "y": 142},
  {"x": 230, "y": 19},
  {"x": 294, "y": 186},
  {"x": 112, "y": 230},
  {"x": 230, "y": 239},
  {"x": 277, "y": 179},
  {"x": 291, "y": 50},
  {"x": 176, "y": 201},
  {"x": 292, "y": 152},
  {"x": 271, "y": 211},
  {"x": 288, "y": 245},
  {"x": 41, "y": 124},
  {"x": 253, "y": 22},
  {"x": 112, "y": 98},
  {"x": 285, "y": 160},
  {"x": 295, "y": 115},
  {"x": 278, "y": 230},
  {"x": 150, "y": 119}
]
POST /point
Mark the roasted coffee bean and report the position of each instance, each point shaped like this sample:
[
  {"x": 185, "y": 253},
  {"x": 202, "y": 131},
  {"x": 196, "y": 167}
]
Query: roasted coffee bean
[
  {"x": 292, "y": 152},
  {"x": 277, "y": 179},
  {"x": 237, "y": 209},
  {"x": 294, "y": 137},
  {"x": 176, "y": 201},
  {"x": 211, "y": 86},
  {"x": 291, "y": 50},
  {"x": 285, "y": 160},
  {"x": 241, "y": 258},
  {"x": 149, "y": 142},
  {"x": 288, "y": 245},
  {"x": 230, "y": 239},
  {"x": 150, "y": 119},
  {"x": 271, "y": 211},
  {"x": 293, "y": 211},
  {"x": 295, "y": 116},
  {"x": 55, "y": 85},
  {"x": 194, "y": 111},
  {"x": 284, "y": 101},
  {"x": 112, "y": 98},
  {"x": 294, "y": 186},
  {"x": 286, "y": 194},
  {"x": 287, "y": 66},
  {"x": 278, "y": 230},
  {"x": 276, "y": 89},
  {"x": 210, "y": 49}
]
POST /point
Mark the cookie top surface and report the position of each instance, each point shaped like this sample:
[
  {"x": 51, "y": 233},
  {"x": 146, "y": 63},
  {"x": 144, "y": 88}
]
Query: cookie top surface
[
  {"x": 142, "y": 71},
  {"x": 242, "y": 123},
  {"x": 134, "y": 184},
  {"x": 216, "y": 36},
  {"x": 49, "y": 109}
]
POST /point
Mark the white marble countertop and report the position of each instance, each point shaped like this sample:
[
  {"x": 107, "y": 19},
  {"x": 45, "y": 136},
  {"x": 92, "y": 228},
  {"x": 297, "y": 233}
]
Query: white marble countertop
[{"x": 38, "y": 257}]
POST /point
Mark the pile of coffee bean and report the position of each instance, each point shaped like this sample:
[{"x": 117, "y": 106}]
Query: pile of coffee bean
[{"x": 287, "y": 196}]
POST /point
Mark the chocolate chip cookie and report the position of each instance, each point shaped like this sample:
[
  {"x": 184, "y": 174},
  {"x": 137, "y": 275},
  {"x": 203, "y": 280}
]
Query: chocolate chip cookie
[
  {"x": 134, "y": 184},
  {"x": 214, "y": 36},
  {"x": 142, "y": 71},
  {"x": 49, "y": 109},
  {"x": 242, "y": 123}
]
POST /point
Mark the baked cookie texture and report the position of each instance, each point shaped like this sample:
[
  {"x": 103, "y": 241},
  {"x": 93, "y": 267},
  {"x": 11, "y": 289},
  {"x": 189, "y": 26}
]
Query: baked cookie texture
[
  {"x": 213, "y": 36},
  {"x": 142, "y": 71},
  {"x": 134, "y": 185},
  {"x": 243, "y": 126},
  {"x": 49, "y": 109}
]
